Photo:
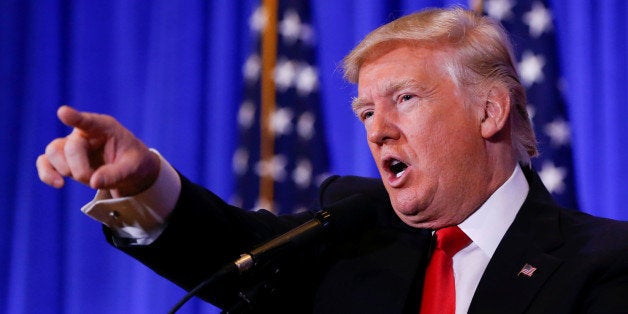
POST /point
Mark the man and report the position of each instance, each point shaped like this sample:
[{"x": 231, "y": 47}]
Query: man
[{"x": 446, "y": 123}]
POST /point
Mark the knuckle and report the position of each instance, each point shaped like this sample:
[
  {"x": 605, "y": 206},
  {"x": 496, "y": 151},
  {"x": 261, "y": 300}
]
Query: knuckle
[
  {"x": 44, "y": 170},
  {"x": 40, "y": 160},
  {"x": 42, "y": 163},
  {"x": 55, "y": 147}
]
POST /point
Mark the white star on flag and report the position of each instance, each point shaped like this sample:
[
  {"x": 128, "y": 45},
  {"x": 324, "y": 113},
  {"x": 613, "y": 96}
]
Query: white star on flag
[
  {"x": 538, "y": 19},
  {"x": 290, "y": 28},
  {"x": 240, "y": 161},
  {"x": 281, "y": 121},
  {"x": 553, "y": 177},
  {"x": 500, "y": 9},
  {"x": 252, "y": 68},
  {"x": 305, "y": 126},
  {"x": 531, "y": 68},
  {"x": 246, "y": 114},
  {"x": 302, "y": 174},
  {"x": 258, "y": 20},
  {"x": 558, "y": 131},
  {"x": 285, "y": 73},
  {"x": 307, "y": 79}
]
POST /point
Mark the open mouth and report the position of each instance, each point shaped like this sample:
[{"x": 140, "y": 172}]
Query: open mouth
[{"x": 396, "y": 167}]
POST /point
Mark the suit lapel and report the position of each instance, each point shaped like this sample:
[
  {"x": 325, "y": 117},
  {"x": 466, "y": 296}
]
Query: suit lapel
[{"x": 504, "y": 287}]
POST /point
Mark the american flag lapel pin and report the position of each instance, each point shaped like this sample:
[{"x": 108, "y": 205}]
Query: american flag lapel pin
[{"x": 527, "y": 270}]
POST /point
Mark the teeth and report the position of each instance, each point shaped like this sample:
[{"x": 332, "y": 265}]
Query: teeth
[{"x": 397, "y": 167}]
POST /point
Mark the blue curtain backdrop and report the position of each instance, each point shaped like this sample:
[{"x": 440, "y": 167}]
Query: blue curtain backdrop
[{"x": 172, "y": 72}]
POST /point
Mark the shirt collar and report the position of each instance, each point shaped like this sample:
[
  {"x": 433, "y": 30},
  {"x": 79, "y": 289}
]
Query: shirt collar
[{"x": 487, "y": 226}]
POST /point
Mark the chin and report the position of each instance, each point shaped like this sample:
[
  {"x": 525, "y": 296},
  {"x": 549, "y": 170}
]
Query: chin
[
  {"x": 408, "y": 202},
  {"x": 413, "y": 212},
  {"x": 408, "y": 214}
]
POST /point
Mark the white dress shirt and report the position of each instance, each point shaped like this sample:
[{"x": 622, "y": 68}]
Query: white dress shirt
[
  {"x": 486, "y": 228},
  {"x": 140, "y": 218}
]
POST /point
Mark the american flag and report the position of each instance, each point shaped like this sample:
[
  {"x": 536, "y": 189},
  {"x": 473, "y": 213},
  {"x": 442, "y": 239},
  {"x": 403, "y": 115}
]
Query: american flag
[
  {"x": 530, "y": 25},
  {"x": 287, "y": 179},
  {"x": 527, "y": 270}
]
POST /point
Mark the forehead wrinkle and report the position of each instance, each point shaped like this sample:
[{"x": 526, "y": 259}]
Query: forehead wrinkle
[{"x": 392, "y": 87}]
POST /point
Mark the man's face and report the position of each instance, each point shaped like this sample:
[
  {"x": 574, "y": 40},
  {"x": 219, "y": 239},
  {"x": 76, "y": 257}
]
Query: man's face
[{"x": 426, "y": 143}]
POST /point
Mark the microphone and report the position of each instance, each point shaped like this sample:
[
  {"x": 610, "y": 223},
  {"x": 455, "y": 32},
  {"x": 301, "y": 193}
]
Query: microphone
[
  {"x": 345, "y": 218},
  {"x": 342, "y": 219}
]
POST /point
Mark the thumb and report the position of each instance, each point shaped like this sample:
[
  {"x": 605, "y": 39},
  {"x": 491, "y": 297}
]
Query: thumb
[
  {"x": 108, "y": 176},
  {"x": 128, "y": 175}
]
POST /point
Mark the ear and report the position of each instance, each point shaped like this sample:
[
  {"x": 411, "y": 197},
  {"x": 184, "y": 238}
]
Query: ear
[{"x": 496, "y": 111}]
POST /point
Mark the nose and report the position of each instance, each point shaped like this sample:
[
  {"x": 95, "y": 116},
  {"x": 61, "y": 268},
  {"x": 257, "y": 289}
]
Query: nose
[{"x": 382, "y": 128}]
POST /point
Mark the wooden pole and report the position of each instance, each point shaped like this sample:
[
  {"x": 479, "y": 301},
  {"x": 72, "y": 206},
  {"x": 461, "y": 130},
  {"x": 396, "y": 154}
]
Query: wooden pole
[
  {"x": 477, "y": 6},
  {"x": 268, "y": 98}
]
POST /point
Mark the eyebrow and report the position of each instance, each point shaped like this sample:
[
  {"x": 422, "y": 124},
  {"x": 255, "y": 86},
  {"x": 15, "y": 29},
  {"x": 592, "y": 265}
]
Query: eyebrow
[
  {"x": 388, "y": 88},
  {"x": 357, "y": 103}
]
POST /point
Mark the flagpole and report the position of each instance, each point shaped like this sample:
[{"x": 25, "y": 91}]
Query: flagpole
[
  {"x": 477, "y": 6},
  {"x": 268, "y": 99}
]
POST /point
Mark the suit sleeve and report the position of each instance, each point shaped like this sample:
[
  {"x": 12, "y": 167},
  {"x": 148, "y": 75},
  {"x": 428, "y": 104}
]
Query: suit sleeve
[
  {"x": 610, "y": 288},
  {"x": 202, "y": 234}
]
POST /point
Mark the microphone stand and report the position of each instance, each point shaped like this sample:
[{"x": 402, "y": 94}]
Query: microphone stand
[
  {"x": 259, "y": 258},
  {"x": 224, "y": 273},
  {"x": 345, "y": 219}
]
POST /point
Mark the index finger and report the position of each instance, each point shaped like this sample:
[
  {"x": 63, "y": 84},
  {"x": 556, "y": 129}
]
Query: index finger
[{"x": 90, "y": 123}]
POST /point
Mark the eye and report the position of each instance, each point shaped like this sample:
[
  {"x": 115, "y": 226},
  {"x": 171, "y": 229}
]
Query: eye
[
  {"x": 366, "y": 114},
  {"x": 405, "y": 97}
]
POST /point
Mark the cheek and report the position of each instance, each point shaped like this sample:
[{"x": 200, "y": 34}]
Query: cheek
[
  {"x": 445, "y": 136},
  {"x": 442, "y": 153},
  {"x": 429, "y": 143}
]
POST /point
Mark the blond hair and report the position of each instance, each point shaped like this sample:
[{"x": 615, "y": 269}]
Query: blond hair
[{"x": 482, "y": 54}]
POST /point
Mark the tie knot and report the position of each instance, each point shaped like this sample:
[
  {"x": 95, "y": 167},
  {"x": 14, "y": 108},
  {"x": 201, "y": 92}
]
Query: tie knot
[{"x": 451, "y": 240}]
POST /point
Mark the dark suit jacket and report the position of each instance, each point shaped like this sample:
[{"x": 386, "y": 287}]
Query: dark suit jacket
[{"x": 581, "y": 261}]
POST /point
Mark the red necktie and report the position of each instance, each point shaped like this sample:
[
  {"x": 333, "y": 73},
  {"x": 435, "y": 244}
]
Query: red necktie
[{"x": 439, "y": 291}]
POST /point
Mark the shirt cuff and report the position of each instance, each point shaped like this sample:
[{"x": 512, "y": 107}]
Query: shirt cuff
[{"x": 139, "y": 218}]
